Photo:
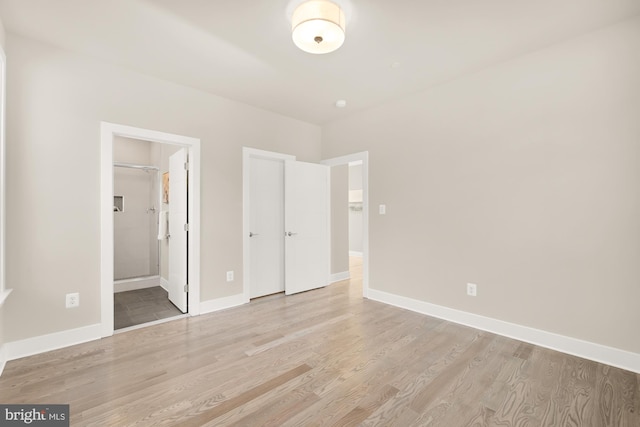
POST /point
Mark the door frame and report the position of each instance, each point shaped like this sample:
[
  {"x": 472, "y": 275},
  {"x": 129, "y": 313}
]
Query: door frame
[
  {"x": 107, "y": 133},
  {"x": 4, "y": 292},
  {"x": 247, "y": 154},
  {"x": 362, "y": 156}
]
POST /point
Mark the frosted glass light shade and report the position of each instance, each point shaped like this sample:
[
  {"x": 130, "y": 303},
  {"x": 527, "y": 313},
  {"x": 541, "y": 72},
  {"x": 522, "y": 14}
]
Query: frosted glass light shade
[{"x": 318, "y": 26}]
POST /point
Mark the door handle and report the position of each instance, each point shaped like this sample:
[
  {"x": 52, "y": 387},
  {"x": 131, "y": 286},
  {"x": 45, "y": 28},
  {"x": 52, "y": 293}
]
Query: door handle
[
  {"x": 290, "y": 234},
  {"x": 253, "y": 234}
]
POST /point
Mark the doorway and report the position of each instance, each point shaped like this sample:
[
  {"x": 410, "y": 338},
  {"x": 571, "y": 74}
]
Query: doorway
[
  {"x": 191, "y": 146},
  {"x": 361, "y": 160},
  {"x": 146, "y": 251}
]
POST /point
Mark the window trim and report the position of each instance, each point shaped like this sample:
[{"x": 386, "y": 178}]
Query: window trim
[{"x": 4, "y": 292}]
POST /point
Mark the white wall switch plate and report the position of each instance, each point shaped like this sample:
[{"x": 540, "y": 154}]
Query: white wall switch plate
[{"x": 382, "y": 209}]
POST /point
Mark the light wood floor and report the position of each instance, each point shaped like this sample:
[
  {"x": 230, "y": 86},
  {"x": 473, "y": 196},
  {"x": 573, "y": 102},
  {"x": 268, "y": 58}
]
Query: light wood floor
[{"x": 325, "y": 357}]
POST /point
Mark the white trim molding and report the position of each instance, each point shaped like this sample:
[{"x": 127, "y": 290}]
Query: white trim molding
[
  {"x": 218, "y": 304},
  {"x": 4, "y": 292},
  {"x": 164, "y": 284},
  {"x": 43, "y": 343},
  {"x": 576, "y": 347},
  {"x": 134, "y": 284},
  {"x": 339, "y": 277}
]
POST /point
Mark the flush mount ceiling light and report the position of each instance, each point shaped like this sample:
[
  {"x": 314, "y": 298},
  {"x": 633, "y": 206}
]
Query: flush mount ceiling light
[{"x": 318, "y": 26}]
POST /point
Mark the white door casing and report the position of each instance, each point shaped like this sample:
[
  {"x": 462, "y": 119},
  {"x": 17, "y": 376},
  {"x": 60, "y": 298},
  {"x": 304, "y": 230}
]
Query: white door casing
[
  {"x": 266, "y": 229},
  {"x": 307, "y": 250},
  {"x": 178, "y": 220},
  {"x": 107, "y": 133}
]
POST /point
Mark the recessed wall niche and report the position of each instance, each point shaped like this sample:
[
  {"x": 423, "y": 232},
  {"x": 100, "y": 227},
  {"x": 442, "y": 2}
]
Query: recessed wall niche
[{"x": 118, "y": 203}]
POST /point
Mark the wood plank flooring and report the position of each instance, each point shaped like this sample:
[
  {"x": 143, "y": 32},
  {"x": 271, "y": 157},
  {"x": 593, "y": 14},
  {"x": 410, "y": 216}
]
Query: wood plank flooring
[{"x": 322, "y": 358}]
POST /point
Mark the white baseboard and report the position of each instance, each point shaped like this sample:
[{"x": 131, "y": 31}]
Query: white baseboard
[
  {"x": 355, "y": 253},
  {"x": 221, "y": 303},
  {"x": 164, "y": 283},
  {"x": 44, "y": 343},
  {"x": 599, "y": 353},
  {"x": 135, "y": 284},
  {"x": 338, "y": 277}
]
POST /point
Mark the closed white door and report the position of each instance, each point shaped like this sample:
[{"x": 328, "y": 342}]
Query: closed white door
[
  {"x": 178, "y": 230},
  {"x": 306, "y": 226},
  {"x": 266, "y": 219}
]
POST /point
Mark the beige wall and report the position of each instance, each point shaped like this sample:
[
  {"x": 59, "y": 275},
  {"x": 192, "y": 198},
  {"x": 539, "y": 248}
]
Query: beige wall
[
  {"x": 56, "y": 100},
  {"x": 339, "y": 219},
  {"x": 522, "y": 178}
]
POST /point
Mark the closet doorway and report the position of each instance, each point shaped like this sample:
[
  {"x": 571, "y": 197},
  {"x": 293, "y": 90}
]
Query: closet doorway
[
  {"x": 140, "y": 242},
  {"x": 286, "y": 223}
]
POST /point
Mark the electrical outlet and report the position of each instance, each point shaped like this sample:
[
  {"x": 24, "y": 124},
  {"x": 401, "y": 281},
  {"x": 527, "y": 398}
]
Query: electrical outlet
[
  {"x": 229, "y": 276},
  {"x": 73, "y": 300},
  {"x": 382, "y": 209},
  {"x": 472, "y": 289}
]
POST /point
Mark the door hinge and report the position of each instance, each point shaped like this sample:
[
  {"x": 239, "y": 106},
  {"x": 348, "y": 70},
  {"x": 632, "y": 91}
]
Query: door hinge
[
  {"x": 186, "y": 287},
  {"x": 186, "y": 166},
  {"x": 186, "y": 227}
]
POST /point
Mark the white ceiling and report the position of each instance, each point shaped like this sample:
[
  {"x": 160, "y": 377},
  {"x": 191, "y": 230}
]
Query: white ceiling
[{"x": 242, "y": 49}]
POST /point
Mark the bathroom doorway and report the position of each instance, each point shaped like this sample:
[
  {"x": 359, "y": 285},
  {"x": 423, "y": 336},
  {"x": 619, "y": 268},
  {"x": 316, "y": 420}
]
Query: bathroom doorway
[
  {"x": 141, "y": 277},
  {"x": 141, "y": 237}
]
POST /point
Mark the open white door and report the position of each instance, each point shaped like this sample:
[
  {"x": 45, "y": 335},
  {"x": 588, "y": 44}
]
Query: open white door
[
  {"x": 266, "y": 226},
  {"x": 178, "y": 230},
  {"x": 306, "y": 226}
]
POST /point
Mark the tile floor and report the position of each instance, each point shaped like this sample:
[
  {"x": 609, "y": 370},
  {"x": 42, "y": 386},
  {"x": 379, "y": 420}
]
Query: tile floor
[{"x": 142, "y": 306}]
